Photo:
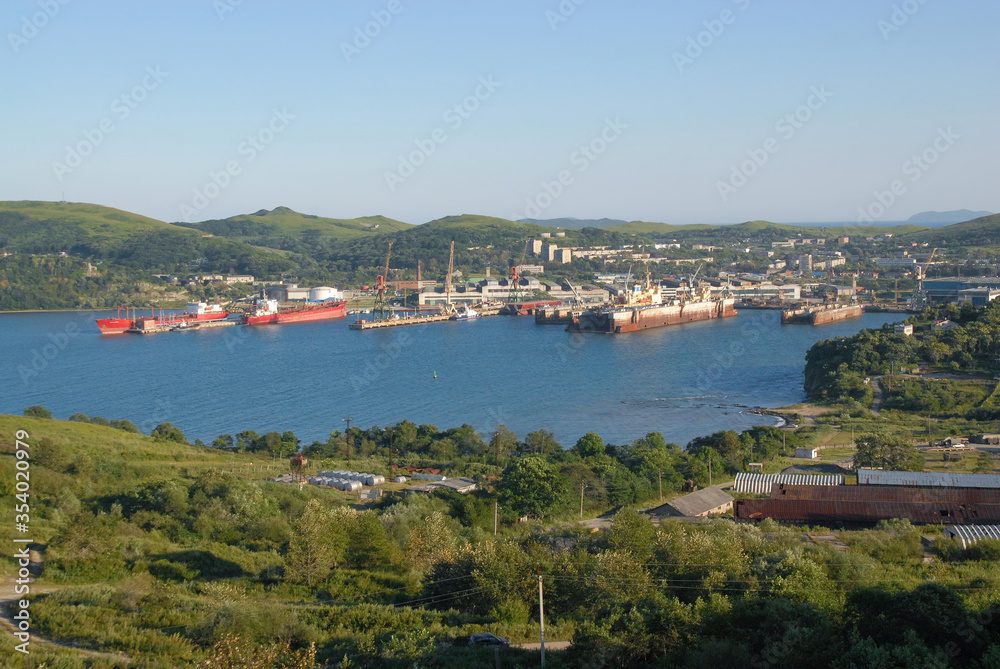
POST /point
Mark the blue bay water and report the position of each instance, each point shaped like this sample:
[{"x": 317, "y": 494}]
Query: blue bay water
[{"x": 684, "y": 381}]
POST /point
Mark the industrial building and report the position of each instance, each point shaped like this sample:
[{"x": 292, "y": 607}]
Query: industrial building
[
  {"x": 881, "y": 477},
  {"x": 704, "y": 502},
  {"x": 760, "y": 484},
  {"x": 870, "y": 504},
  {"x": 948, "y": 290}
]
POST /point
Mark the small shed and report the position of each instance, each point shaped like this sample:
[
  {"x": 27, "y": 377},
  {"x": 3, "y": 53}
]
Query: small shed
[
  {"x": 808, "y": 453},
  {"x": 702, "y": 503}
]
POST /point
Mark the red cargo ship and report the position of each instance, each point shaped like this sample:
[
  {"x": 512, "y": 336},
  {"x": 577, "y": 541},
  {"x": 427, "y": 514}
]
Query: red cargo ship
[
  {"x": 266, "y": 312},
  {"x": 197, "y": 312}
]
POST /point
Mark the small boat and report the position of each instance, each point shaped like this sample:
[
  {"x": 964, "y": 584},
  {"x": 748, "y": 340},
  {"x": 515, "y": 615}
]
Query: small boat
[{"x": 465, "y": 313}]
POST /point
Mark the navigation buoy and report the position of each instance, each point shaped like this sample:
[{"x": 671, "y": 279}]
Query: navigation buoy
[{"x": 435, "y": 374}]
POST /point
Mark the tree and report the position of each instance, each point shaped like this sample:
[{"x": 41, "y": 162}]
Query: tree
[
  {"x": 542, "y": 441},
  {"x": 430, "y": 542},
  {"x": 529, "y": 486},
  {"x": 880, "y": 450},
  {"x": 167, "y": 432},
  {"x": 503, "y": 441},
  {"x": 311, "y": 555},
  {"x": 633, "y": 532},
  {"x": 589, "y": 445},
  {"x": 37, "y": 411}
]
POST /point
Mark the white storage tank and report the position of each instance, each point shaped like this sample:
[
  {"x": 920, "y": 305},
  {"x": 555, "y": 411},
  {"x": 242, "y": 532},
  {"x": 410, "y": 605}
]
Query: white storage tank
[
  {"x": 320, "y": 293},
  {"x": 400, "y": 479}
]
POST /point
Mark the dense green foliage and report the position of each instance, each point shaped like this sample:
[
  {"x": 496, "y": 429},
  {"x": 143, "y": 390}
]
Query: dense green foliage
[
  {"x": 156, "y": 553},
  {"x": 840, "y": 369}
]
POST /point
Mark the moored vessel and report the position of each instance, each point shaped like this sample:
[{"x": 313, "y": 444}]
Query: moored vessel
[
  {"x": 465, "y": 313},
  {"x": 644, "y": 308},
  {"x": 267, "y": 312},
  {"x": 821, "y": 314},
  {"x": 196, "y": 312}
]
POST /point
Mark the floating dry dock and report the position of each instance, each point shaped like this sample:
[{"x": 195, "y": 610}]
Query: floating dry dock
[{"x": 821, "y": 314}]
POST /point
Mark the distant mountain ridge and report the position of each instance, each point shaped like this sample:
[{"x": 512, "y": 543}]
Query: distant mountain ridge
[
  {"x": 575, "y": 223},
  {"x": 946, "y": 217}
]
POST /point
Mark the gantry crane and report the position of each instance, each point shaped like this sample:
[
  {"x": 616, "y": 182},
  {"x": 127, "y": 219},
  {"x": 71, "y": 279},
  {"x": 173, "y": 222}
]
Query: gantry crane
[{"x": 382, "y": 310}]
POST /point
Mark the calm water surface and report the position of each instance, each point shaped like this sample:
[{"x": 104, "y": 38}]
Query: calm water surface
[{"x": 683, "y": 381}]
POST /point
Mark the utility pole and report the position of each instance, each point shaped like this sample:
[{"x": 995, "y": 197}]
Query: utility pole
[
  {"x": 496, "y": 515},
  {"x": 581, "y": 499},
  {"x": 541, "y": 613},
  {"x": 390, "y": 449},
  {"x": 347, "y": 439},
  {"x": 659, "y": 480},
  {"x": 709, "y": 469}
]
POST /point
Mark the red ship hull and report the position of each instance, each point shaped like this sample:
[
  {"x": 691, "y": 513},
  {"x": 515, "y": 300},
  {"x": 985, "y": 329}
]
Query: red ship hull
[
  {"x": 122, "y": 325},
  {"x": 114, "y": 325},
  {"x": 300, "y": 315}
]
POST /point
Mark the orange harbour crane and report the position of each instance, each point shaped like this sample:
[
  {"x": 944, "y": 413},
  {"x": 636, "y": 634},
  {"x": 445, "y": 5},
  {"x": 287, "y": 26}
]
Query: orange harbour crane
[{"x": 382, "y": 310}]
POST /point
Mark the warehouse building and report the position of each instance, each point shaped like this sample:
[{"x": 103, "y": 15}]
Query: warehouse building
[
  {"x": 927, "y": 479},
  {"x": 760, "y": 484},
  {"x": 701, "y": 503}
]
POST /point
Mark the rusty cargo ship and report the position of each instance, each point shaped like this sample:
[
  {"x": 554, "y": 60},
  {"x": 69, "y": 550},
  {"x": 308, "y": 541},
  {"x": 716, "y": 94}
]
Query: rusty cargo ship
[
  {"x": 645, "y": 308},
  {"x": 822, "y": 314}
]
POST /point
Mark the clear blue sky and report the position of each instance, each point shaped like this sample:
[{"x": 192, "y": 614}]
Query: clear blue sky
[{"x": 560, "y": 82}]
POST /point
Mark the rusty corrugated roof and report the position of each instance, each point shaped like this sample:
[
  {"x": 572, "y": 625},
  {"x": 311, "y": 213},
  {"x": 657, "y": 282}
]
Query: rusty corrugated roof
[
  {"x": 854, "y": 493},
  {"x": 927, "y": 479},
  {"x": 836, "y": 511}
]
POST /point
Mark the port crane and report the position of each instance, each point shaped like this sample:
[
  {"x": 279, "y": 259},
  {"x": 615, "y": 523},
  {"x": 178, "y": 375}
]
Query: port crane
[
  {"x": 919, "y": 299},
  {"x": 514, "y": 296},
  {"x": 382, "y": 310}
]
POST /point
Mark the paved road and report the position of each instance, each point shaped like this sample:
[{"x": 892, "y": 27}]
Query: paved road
[{"x": 549, "y": 645}]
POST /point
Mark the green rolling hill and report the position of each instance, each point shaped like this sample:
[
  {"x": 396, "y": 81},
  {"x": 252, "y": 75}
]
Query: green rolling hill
[{"x": 281, "y": 225}]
